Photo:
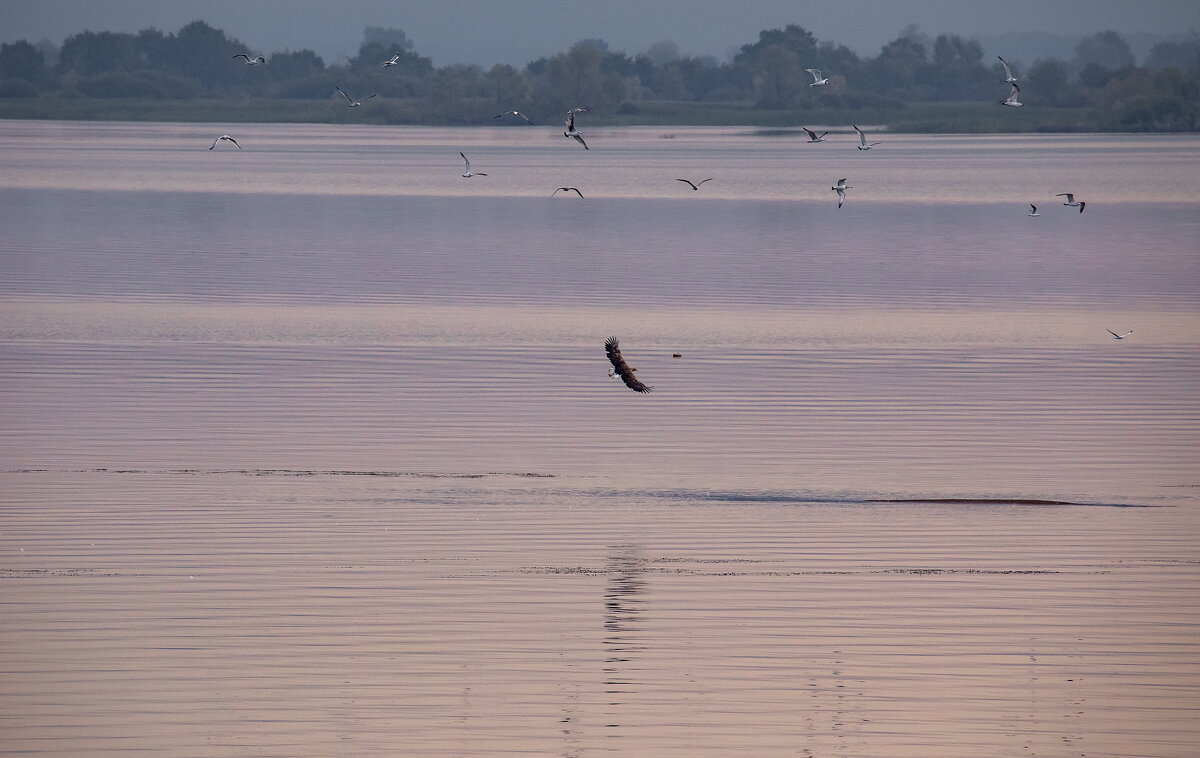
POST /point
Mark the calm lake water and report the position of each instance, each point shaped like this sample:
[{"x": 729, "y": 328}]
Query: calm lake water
[{"x": 309, "y": 448}]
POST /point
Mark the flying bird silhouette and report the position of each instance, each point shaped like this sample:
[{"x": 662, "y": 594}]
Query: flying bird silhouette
[
  {"x": 251, "y": 61},
  {"x": 226, "y": 138},
  {"x": 862, "y": 140},
  {"x": 469, "y": 173},
  {"x": 351, "y": 102},
  {"x": 566, "y": 189},
  {"x": 1008, "y": 74},
  {"x": 1071, "y": 201},
  {"x": 514, "y": 113},
  {"x": 1012, "y": 97},
  {"x": 621, "y": 368},
  {"x": 571, "y": 131},
  {"x": 840, "y": 188},
  {"x": 695, "y": 185}
]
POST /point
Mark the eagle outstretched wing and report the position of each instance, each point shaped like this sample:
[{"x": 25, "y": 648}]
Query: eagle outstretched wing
[{"x": 623, "y": 369}]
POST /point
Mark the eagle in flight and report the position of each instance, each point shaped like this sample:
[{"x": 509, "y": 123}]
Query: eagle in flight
[{"x": 621, "y": 368}]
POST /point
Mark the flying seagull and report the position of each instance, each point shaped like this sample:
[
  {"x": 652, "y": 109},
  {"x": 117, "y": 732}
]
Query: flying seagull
[
  {"x": 1071, "y": 201},
  {"x": 391, "y": 61},
  {"x": 1119, "y": 336},
  {"x": 514, "y": 113},
  {"x": 1033, "y": 210},
  {"x": 468, "y": 173},
  {"x": 571, "y": 130},
  {"x": 813, "y": 136},
  {"x": 226, "y": 138},
  {"x": 621, "y": 368},
  {"x": 251, "y": 61},
  {"x": 817, "y": 81},
  {"x": 841, "y": 188},
  {"x": 1008, "y": 75},
  {"x": 1012, "y": 97},
  {"x": 862, "y": 140},
  {"x": 351, "y": 102},
  {"x": 695, "y": 185},
  {"x": 566, "y": 189}
]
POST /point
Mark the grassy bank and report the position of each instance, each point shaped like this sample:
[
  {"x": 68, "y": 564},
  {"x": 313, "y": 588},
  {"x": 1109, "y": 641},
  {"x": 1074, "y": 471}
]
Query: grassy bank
[{"x": 955, "y": 118}]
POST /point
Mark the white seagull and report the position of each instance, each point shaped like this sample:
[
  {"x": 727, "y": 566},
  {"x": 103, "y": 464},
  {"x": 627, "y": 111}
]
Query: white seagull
[
  {"x": 1071, "y": 201},
  {"x": 1033, "y": 210},
  {"x": 694, "y": 185},
  {"x": 514, "y": 113},
  {"x": 351, "y": 102},
  {"x": 813, "y": 136},
  {"x": 1119, "y": 336},
  {"x": 841, "y": 188},
  {"x": 571, "y": 130},
  {"x": 566, "y": 189},
  {"x": 1012, "y": 97},
  {"x": 251, "y": 61},
  {"x": 468, "y": 173},
  {"x": 226, "y": 138},
  {"x": 862, "y": 140},
  {"x": 817, "y": 81},
  {"x": 391, "y": 61},
  {"x": 1008, "y": 76}
]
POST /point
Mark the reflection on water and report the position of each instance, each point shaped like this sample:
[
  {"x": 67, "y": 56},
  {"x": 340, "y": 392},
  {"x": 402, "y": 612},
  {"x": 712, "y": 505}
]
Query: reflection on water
[{"x": 624, "y": 605}]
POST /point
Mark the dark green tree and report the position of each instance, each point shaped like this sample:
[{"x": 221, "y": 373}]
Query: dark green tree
[
  {"x": 958, "y": 72},
  {"x": 1050, "y": 83},
  {"x": 1184, "y": 56},
  {"x": 90, "y": 53},
  {"x": 21, "y": 60},
  {"x": 1106, "y": 49},
  {"x": 901, "y": 68}
]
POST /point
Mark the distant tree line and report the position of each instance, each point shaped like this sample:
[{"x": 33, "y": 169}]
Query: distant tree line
[{"x": 198, "y": 62}]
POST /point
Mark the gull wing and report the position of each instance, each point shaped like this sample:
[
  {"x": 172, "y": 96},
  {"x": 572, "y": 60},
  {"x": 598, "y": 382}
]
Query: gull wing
[
  {"x": 343, "y": 92},
  {"x": 579, "y": 139},
  {"x": 862, "y": 138},
  {"x": 1007, "y": 70}
]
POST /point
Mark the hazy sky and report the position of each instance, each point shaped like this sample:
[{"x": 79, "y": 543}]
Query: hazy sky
[{"x": 517, "y": 31}]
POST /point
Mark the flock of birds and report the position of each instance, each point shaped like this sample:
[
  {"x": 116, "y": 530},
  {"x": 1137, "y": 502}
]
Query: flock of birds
[{"x": 620, "y": 367}]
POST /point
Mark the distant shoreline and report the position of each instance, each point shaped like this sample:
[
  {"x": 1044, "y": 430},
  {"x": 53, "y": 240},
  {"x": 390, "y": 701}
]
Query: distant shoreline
[{"x": 919, "y": 118}]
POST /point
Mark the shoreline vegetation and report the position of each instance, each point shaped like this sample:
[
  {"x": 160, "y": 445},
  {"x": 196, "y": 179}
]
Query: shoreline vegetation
[
  {"x": 916, "y": 84},
  {"x": 922, "y": 118}
]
